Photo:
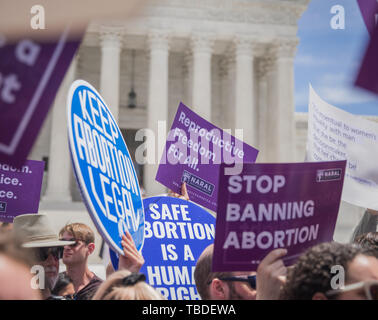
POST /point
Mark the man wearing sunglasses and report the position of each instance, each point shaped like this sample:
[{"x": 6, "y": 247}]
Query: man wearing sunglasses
[
  {"x": 35, "y": 234},
  {"x": 263, "y": 284},
  {"x": 75, "y": 257}
]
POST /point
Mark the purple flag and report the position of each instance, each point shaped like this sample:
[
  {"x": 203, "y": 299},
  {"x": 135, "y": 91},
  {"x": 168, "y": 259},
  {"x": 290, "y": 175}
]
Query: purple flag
[
  {"x": 270, "y": 206},
  {"x": 30, "y": 75},
  {"x": 194, "y": 150},
  {"x": 20, "y": 189},
  {"x": 367, "y": 77},
  {"x": 369, "y": 11}
]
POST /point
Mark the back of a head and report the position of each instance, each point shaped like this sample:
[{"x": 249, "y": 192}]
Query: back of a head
[
  {"x": 203, "y": 274},
  {"x": 312, "y": 272},
  {"x": 368, "y": 241},
  {"x": 15, "y": 275},
  {"x": 134, "y": 288}
]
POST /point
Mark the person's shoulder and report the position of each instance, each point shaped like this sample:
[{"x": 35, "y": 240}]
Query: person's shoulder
[{"x": 96, "y": 279}]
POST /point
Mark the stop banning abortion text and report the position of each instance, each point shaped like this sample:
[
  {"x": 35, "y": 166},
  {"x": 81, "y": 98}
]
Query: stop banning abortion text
[{"x": 267, "y": 212}]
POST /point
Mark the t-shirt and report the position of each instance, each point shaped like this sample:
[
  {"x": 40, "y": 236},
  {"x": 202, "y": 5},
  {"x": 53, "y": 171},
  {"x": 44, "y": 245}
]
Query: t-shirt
[{"x": 89, "y": 290}]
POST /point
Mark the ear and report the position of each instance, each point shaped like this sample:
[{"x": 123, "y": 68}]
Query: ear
[
  {"x": 219, "y": 290},
  {"x": 319, "y": 296},
  {"x": 91, "y": 247}
]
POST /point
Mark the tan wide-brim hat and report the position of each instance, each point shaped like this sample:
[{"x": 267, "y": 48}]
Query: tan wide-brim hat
[{"x": 35, "y": 231}]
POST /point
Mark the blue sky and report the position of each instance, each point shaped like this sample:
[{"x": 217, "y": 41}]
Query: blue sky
[{"x": 329, "y": 59}]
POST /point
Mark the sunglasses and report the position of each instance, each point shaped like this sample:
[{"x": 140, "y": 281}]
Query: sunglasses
[
  {"x": 370, "y": 289},
  {"x": 251, "y": 280},
  {"x": 71, "y": 245},
  {"x": 43, "y": 253}
]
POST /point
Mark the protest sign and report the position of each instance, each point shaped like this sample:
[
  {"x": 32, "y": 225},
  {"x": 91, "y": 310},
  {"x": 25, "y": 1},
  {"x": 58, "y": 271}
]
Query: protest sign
[
  {"x": 176, "y": 233},
  {"x": 194, "y": 150},
  {"x": 270, "y": 206},
  {"x": 30, "y": 75},
  {"x": 20, "y": 189},
  {"x": 103, "y": 167},
  {"x": 369, "y": 12},
  {"x": 334, "y": 134},
  {"x": 367, "y": 76}
]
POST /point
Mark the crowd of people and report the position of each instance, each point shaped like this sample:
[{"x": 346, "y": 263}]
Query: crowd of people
[{"x": 326, "y": 271}]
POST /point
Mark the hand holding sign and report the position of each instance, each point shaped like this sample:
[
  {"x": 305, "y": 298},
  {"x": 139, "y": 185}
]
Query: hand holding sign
[
  {"x": 132, "y": 260},
  {"x": 271, "y": 275},
  {"x": 184, "y": 193}
]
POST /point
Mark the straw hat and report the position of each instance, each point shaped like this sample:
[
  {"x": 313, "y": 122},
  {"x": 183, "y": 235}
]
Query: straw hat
[{"x": 35, "y": 231}]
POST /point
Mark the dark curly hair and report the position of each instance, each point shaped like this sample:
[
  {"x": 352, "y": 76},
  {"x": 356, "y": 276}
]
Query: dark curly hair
[
  {"x": 369, "y": 241},
  {"x": 312, "y": 272}
]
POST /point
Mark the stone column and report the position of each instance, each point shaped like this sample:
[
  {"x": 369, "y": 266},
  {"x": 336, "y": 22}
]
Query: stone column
[
  {"x": 187, "y": 73},
  {"x": 201, "y": 46},
  {"x": 226, "y": 110},
  {"x": 59, "y": 163},
  {"x": 272, "y": 118},
  {"x": 158, "y": 43},
  {"x": 245, "y": 109},
  {"x": 262, "y": 125},
  {"x": 284, "y": 51},
  {"x": 111, "y": 44}
]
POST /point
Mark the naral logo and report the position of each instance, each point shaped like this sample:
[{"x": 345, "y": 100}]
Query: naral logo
[
  {"x": 328, "y": 175},
  {"x": 3, "y": 206},
  {"x": 197, "y": 182}
]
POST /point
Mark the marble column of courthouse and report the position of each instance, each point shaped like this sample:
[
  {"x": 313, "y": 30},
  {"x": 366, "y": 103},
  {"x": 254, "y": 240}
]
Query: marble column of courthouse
[{"x": 59, "y": 164}]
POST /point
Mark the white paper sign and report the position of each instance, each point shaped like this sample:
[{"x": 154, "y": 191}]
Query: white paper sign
[{"x": 334, "y": 134}]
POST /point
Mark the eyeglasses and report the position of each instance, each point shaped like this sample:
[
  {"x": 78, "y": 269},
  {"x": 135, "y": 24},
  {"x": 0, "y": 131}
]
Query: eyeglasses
[
  {"x": 370, "y": 289},
  {"x": 251, "y": 280},
  {"x": 43, "y": 253}
]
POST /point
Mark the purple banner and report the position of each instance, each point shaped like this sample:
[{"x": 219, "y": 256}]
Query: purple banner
[
  {"x": 270, "y": 206},
  {"x": 369, "y": 12},
  {"x": 20, "y": 189},
  {"x": 30, "y": 75},
  {"x": 194, "y": 150}
]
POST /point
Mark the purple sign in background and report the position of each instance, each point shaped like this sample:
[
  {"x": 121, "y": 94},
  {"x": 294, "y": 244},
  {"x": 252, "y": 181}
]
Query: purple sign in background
[
  {"x": 270, "y": 206},
  {"x": 194, "y": 150},
  {"x": 369, "y": 11},
  {"x": 20, "y": 189},
  {"x": 367, "y": 77},
  {"x": 31, "y": 73}
]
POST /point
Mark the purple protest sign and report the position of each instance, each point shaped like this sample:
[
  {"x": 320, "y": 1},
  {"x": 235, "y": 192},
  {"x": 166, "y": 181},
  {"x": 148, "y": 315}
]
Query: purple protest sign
[
  {"x": 194, "y": 150},
  {"x": 20, "y": 189},
  {"x": 367, "y": 76},
  {"x": 30, "y": 75},
  {"x": 270, "y": 206},
  {"x": 369, "y": 11}
]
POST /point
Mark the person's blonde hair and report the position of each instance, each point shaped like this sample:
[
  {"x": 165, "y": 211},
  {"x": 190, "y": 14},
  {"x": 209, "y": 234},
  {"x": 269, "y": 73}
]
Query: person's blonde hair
[
  {"x": 80, "y": 231},
  {"x": 114, "y": 289}
]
